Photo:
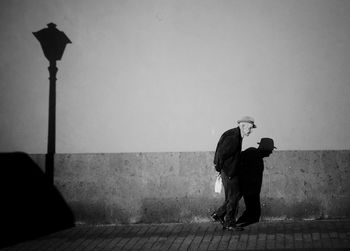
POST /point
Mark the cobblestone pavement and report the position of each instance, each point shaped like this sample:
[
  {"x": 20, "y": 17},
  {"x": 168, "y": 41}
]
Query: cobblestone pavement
[{"x": 276, "y": 235}]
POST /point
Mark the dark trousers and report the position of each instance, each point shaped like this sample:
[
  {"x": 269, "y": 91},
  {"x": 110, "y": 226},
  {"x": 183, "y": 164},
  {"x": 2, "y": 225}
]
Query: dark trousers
[
  {"x": 229, "y": 208},
  {"x": 252, "y": 209}
]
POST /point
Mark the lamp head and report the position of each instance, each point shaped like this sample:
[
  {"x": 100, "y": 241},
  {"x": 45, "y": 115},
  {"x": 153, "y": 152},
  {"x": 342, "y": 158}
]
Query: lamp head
[{"x": 52, "y": 41}]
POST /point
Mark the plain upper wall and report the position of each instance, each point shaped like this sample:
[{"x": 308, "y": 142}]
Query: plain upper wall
[{"x": 154, "y": 76}]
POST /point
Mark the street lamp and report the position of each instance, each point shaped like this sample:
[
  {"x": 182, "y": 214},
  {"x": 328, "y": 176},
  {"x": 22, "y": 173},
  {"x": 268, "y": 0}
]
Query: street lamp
[{"x": 53, "y": 42}]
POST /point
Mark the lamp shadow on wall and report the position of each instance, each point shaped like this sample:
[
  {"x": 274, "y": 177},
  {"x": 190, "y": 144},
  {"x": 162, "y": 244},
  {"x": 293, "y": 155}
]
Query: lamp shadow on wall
[
  {"x": 53, "y": 42},
  {"x": 30, "y": 205}
]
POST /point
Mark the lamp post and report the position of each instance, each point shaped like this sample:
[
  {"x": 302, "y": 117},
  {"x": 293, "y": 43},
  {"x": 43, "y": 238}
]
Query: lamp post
[{"x": 53, "y": 42}]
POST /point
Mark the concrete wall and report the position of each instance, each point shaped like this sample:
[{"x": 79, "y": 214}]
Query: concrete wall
[
  {"x": 179, "y": 186},
  {"x": 170, "y": 77}
]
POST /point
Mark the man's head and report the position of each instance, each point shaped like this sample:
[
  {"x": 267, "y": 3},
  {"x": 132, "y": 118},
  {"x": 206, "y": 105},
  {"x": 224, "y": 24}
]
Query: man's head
[
  {"x": 246, "y": 124},
  {"x": 266, "y": 146}
]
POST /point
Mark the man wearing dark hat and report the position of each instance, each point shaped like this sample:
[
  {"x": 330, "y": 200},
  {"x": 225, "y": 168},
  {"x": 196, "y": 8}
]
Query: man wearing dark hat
[
  {"x": 226, "y": 161},
  {"x": 250, "y": 172}
]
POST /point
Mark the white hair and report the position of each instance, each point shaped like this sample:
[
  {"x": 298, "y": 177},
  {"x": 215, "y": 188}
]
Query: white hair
[{"x": 244, "y": 124}]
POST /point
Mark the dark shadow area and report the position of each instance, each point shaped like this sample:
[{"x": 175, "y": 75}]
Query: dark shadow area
[
  {"x": 251, "y": 170},
  {"x": 30, "y": 205}
]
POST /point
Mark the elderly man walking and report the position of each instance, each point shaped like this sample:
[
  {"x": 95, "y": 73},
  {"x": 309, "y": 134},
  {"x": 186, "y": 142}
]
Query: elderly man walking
[{"x": 226, "y": 162}]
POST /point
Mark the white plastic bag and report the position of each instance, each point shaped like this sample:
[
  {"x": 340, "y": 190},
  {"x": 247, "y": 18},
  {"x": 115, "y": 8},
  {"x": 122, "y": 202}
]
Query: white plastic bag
[{"x": 218, "y": 184}]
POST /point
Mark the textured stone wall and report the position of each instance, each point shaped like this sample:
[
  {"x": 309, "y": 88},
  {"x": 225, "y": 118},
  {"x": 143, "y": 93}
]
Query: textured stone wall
[
  {"x": 179, "y": 186},
  {"x": 307, "y": 184}
]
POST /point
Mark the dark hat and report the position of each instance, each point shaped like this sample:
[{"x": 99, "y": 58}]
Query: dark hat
[
  {"x": 266, "y": 144},
  {"x": 247, "y": 119}
]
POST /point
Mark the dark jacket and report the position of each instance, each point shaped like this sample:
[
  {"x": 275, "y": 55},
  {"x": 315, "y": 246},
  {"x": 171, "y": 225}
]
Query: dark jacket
[
  {"x": 251, "y": 170},
  {"x": 227, "y": 152}
]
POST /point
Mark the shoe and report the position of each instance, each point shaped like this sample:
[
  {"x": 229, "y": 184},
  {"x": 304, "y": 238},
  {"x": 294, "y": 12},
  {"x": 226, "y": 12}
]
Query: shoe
[
  {"x": 228, "y": 225},
  {"x": 232, "y": 226},
  {"x": 217, "y": 218},
  {"x": 238, "y": 228},
  {"x": 241, "y": 224},
  {"x": 246, "y": 223}
]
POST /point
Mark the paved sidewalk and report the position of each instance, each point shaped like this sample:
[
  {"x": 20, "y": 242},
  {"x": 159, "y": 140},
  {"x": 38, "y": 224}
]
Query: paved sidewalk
[{"x": 281, "y": 235}]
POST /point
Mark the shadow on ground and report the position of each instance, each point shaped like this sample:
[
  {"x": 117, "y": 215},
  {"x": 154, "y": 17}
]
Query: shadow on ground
[{"x": 30, "y": 206}]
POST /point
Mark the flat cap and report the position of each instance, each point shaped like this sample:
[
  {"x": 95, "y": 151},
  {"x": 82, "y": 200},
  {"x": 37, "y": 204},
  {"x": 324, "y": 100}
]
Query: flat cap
[{"x": 247, "y": 119}]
